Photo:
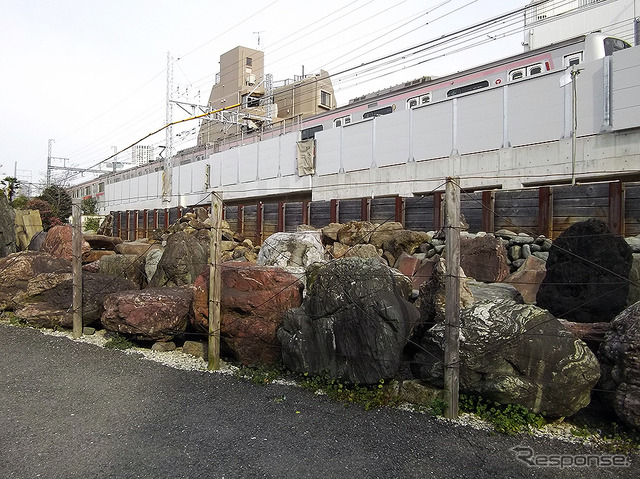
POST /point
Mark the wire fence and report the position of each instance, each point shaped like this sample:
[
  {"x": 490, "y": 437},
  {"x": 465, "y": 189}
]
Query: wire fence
[{"x": 479, "y": 205}]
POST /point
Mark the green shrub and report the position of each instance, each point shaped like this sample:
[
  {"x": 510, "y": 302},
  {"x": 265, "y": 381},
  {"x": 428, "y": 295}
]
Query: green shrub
[
  {"x": 505, "y": 418},
  {"x": 118, "y": 342}
]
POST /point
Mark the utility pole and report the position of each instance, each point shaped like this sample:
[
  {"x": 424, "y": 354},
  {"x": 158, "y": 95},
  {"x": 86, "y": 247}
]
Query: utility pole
[
  {"x": 167, "y": 171},
  {"x": 215, "y": 280},
  {"x": 76, "y": 240},
  {"x": 452, "y": 298}
]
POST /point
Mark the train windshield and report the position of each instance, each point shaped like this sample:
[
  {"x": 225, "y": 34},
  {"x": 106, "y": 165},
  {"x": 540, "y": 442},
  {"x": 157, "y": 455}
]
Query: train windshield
[{"x": 613, "y": 45}]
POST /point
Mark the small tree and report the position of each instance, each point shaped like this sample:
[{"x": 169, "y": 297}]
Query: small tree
[
  {"x": 89, "y": 206},
  {"x": 20, "y": 202},
  {"x": 47, "y": 216},
  {"x": 11, "y": 184},
  {"x": 59, "y": 200}
]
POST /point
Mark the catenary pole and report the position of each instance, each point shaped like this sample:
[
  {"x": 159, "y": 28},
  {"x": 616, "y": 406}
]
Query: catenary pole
[
  {"x": 76, "y": 240},
  {"x": 452, "y": 305},
  {"x": 215, "y": 279}
]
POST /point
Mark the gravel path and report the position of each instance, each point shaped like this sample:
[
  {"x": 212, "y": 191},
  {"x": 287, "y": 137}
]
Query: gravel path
[{"x": 71, "y": 409}]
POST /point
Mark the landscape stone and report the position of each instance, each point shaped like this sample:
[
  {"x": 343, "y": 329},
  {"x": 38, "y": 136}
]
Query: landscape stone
[
  {"x": 7, "y": 227},
  {"x": 102, "y": 241},
  {"x": 199, "y": 349},
  {"x": 527, "y": 278},
  {"x": 587, "y": 274},
  {"x": 353, "y": 324},
  {"x": 152, "y": 314},
  {"x": 515, "y": 354},
  {"x": 185, "y": 257},
  {"x": 620, "y": 359},
  {"x": 164, "y": 346},
  {"x": 127, "y": 266},
  {"x": 484, "y": 259},
  {"x": 253, "y": 303},
  {"x": 59, "y": 242},
  {"x": 291, "y": 250}
]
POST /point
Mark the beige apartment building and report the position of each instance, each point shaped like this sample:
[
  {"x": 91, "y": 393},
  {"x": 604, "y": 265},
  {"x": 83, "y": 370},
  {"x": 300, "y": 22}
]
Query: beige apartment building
[{"x": 244, "y": 99}]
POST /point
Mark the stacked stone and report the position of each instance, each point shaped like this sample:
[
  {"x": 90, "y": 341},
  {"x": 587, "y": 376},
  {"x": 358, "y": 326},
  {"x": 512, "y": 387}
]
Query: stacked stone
[{"x": 520, "y": 246}]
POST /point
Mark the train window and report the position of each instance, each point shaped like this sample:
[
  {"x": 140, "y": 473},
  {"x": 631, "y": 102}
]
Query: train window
[
  {"x": 419, "y": 100},
  {"x": 572, "y": 59},
  {"x": 467, "y": 88},
  {"x": 309, "y": 133},
  {"x": 516, "y": 74},
  {"x": 613, "y": 45},
  {"x": 342, "y": 121},
  {"x": 534, "y": 69},
  {"x": 381, "y": 111}
]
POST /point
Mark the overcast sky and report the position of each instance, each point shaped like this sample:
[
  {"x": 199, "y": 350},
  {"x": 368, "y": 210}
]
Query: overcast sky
[{"x": 92, "y": 75}]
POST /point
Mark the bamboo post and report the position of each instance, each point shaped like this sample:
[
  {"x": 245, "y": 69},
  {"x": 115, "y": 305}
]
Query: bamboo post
[
  {"x": 76, "y": 240},
  {"x": 452, "y": 305},
  {"x": 215, "y": 279}
]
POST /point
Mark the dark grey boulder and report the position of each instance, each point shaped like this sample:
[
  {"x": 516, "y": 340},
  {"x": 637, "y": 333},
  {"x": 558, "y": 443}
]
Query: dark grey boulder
[
  {"x": 7, "y": 227},
  {"x": 37, "y": 241},
  {"x": 353, "y": 325},
  {"x": 515, "y": 354},
  {"x": 620, "y": 359},
  {"x": 184, "y": 258},
  {"x": 587, "y": 274}
]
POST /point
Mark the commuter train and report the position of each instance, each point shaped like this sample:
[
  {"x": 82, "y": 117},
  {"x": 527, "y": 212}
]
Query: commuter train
[{"x": 413, "y": 95}]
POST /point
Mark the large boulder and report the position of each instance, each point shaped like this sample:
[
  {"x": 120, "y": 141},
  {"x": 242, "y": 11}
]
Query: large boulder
[
  {"x": 528, "y": 277},
  {"x": 18, "y": 268},
  {"x": 634, "y": 280},
  {"x": 620, "y": 359},
  {"x": 400, "y": 241},
  {"x": 37, "y": 242},
  {"x": 102, "y": 241},
  {"x": 7, "y": 227},
  {"x": 355, "y": 233},
  {"x": 484, "y": 258},
  {"x": 254, "y": 300},
  {"x": 493, "y": 291},
  {"x": 59, "y": 242},
  {"x": 353, "y": 324},
  {"x": 587, "y": 274},
  {"x": 515, "y": 354},
  {"x": 292, "y": 250},
  {"x": 153, "y": 314},
  {"x": 48, "y": 299},
  {"x": 185, "y": 257},
  {"x": 127, "y": 266}
]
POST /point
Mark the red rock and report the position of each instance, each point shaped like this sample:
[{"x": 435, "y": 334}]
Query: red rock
[
  {"x": 153, "y": 314},
  {"x": 527, "y": 278},
  {"x": 254, "y": 300},
  {"x": 95, "y": 255},
  {"x": 59, "y": 242},
  {"x": 484, "y": 258},
  {"x": 407, "y": 264},
  {"x": 423, "y": 273}
]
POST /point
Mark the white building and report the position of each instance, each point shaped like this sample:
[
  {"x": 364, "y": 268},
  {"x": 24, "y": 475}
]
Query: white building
[
  {"x": 141, "y": 155},
  {"x": 556, "y": 20}
]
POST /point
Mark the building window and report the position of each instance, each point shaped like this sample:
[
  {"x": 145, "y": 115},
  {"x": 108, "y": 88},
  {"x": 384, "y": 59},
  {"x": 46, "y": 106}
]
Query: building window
[
  {"x": 325, "y": 99},
  {"x": 249, "y": 61},
  {"x": 572, "y": 59}
]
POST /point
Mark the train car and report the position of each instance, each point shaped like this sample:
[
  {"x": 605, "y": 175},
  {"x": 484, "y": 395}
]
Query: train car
[{"x": 142, "y": 185}]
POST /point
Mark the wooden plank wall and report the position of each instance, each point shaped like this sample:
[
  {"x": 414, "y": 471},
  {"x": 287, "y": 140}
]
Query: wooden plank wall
[
  {"x": 543, "y": 210},
  {"x": 632, "y": 209}
]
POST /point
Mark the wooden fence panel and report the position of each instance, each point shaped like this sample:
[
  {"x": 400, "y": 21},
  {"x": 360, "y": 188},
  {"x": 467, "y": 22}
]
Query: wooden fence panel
[
  {"x": 349, "y": 210},
  {"x": 632, "y": 209},
  {"x": 292, "y": 216},
  {"x": 418, "y": 213},
  {"x": 231, "y": 217},
  {"x": 471, "y": 208},
  {"x": 320, "y": 214},
  {"x": 250, "y": 222},
  {"x": 572, "y": 204},
  {"x": 382, "y": 210},
  {"x": 517, "y": 211},
  {"x": 269, "y": 219}
]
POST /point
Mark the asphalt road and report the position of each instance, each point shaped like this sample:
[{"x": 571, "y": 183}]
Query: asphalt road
[{"x": 71, "y": 409}]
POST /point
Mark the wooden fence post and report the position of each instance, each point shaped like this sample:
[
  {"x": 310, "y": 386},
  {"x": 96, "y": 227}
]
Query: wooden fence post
[
  {"x": 215, "y": 279},
  {"x": 76, "y": 240},
  {"x": 452, "y": 295}
]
